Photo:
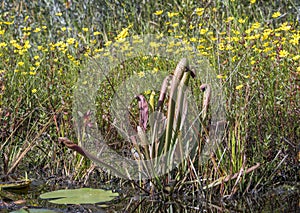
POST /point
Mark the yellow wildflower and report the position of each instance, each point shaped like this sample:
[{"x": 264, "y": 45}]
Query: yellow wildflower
[
  {"x": 255, "y": 25},
  {"x": 158, "y": 12},
  {"x": 137, "y": 39},
  {"x": 77, "y": 62},
  {"x": 3, "y": 44},
  {"x": 21, "y": 63},
  {"x": 296, "y": 57},
  {"x": 36, "y": 30},
  {"x": 108, "y": 43},
  {"x": 123, "y": 34},
  {"x": 213, "y": 38},
  {"x": 285, "y": 27},
  {"x": 8, "y": 22},
  {"x": 283, "y": 53},
  {"x": 267, "y": 49},
  {"x": 229, "y": 47},
  {"x": 229, "y": 19},
  {"x": 155, "y": 70},
  {"x": 234, "y": 58},
  {"x": 203, "y": 31},
  {"x": 154, "y": 45},
  {"x": 266, "y": 33},
  {"x": 34, "y": 91},
  {"x": 203, "y": 53},
  {"x": 141, "y": 74},
  {"x": 241, "y": 21},
  {"x": 71, "y": 41},
  {"x": 248, "y": 31},
  {"x": 93, "y": 41},
  {"x": 277, "y": 34},
  {"x": 27, "y": 45},
  {"x": 295, "y": 39},
  {"x": 236, "y": 39},
  {"x": 236, "y": 32},
  {"x": 199, "y": 11},
  {"x": 239, "y": 87},
  {"x": 97, "y": 33},
  {"x": 172, "y": 14},
  {"x": 276, "y": 15},
  {"x": 221, "y": 76},
  {"x": 221, "y": 46},
  {"x": 26, "y": 28}
]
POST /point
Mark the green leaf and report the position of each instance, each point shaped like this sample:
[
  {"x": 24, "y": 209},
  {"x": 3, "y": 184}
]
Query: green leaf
[
  {"x": 79, "y": 196},
  {"x": 15, "y": 184}
]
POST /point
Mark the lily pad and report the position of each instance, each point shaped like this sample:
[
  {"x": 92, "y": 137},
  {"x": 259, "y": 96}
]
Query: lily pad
[{"x": 79, "y": 196}]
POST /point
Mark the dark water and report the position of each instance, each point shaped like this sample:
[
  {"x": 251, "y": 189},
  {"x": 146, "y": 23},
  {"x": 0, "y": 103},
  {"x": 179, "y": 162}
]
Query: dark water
[{"x": 283, "y": 198}]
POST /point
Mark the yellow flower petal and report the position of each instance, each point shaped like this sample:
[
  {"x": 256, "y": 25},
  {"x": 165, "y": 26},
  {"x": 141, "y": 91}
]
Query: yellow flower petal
[
  {"x": 158, "y": 12},
  {"x": 239, "y": 87},
  {"x": 276, "y": 15}
]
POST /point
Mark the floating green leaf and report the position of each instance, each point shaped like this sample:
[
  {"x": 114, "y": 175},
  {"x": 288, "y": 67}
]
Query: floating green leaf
[{"x": 79, "y": 196}]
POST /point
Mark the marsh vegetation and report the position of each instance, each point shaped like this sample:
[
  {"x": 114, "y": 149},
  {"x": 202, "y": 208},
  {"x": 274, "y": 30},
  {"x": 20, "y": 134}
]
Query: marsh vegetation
[{"x": 251, "y": 46}]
